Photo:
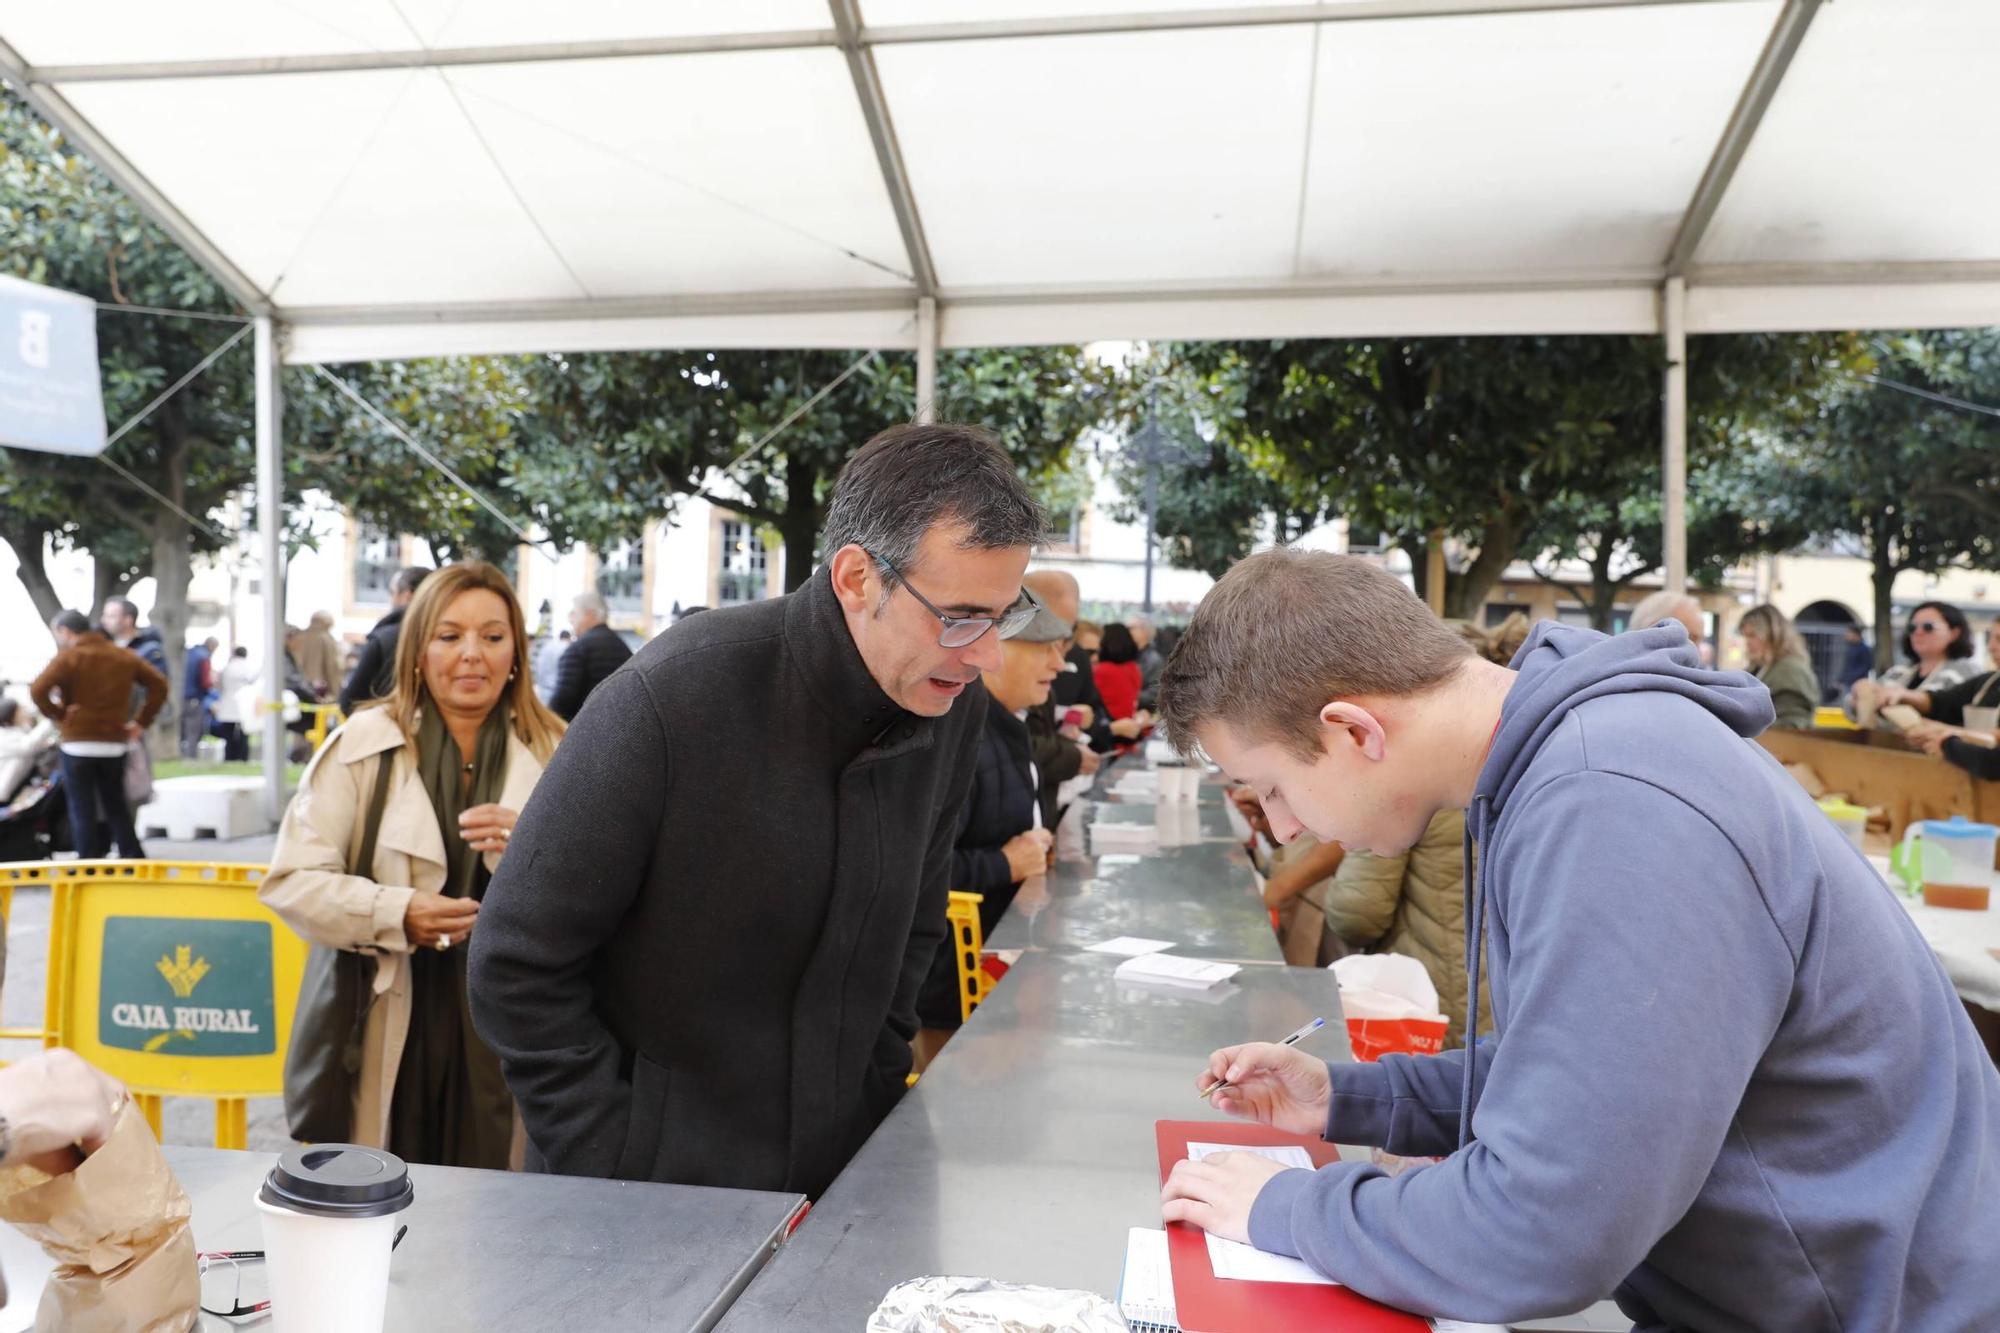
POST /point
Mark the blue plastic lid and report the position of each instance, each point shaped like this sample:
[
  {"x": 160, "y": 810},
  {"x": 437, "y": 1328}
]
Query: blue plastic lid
[{"x": 1958, "y": 826}]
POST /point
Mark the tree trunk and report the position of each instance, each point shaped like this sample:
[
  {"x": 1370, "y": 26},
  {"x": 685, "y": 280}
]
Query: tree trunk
[
  {"x": 1882, "y": 556},
  {"x": 798, "y": 526},
  {"x": 107, "y": 581},
  {"x": 1465, "y": 594},
  {"x": 173, "y": 571},
  {"x": 29, "y": 542},
  {"x": 1603, "y": 588}
]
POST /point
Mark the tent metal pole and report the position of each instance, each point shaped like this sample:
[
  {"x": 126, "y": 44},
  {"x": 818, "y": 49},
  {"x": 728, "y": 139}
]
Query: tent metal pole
[
  {"x": 271, "y": 548},
  {"x": 927, "y": 354},
  {"x": 1758, "y": 91},
  {"x": 1673, "y": 454},
  {"x": 949, "y": 30}
]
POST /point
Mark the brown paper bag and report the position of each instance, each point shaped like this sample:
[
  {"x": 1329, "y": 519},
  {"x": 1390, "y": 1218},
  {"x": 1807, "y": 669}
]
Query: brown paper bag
[{"x": 117, "y": 1227}]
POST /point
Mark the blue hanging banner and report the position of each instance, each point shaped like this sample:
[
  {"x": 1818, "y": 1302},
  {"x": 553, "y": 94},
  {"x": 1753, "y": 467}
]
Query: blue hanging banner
[{"x": 50, "y": 395}]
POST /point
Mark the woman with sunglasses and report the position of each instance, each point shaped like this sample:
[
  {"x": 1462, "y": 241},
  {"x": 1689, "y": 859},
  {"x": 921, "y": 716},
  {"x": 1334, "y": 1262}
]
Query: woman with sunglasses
[{"x": 1939, "y": 646}]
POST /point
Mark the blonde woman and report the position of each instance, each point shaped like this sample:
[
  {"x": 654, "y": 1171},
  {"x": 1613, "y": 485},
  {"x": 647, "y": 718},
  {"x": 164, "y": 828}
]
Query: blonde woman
[
  {"x": 460, "y": 742},
  {"x": 1779, "y": 657}
]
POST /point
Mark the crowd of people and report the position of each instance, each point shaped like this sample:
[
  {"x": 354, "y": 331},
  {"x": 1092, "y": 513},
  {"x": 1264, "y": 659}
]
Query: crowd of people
[{"x": 680, "y": 915}]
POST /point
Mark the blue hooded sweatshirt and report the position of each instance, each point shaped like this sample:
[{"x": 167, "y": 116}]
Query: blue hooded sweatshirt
[{"x": 1729, "y": 1081}]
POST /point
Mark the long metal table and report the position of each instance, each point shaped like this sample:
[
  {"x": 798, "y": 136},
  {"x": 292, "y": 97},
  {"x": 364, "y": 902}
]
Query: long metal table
[
  {"x": 1203, "y": 898},
  {"x": 1197, "y": 890},
  {"x": 1026, "y": 1150},
  {"x": 496, "y": 1250}
]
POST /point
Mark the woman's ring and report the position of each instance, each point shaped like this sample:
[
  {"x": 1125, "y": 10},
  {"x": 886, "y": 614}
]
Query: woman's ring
[{"x": 444, "y": 942}]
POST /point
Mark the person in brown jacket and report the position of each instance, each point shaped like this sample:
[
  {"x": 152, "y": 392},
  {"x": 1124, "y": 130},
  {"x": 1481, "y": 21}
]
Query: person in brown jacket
[
  {"x": 318, "y": 655},
  {"x": 87, "y": 691}
]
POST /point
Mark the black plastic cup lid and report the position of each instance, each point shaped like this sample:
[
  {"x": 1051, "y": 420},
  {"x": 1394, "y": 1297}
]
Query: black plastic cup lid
[{"x": 339, "y": 1180}]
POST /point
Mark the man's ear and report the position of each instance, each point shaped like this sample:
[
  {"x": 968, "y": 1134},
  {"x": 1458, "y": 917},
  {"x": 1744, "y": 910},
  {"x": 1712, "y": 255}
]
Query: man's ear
[
  {"x": 855, "y": 580},
  {"x": 1351, "y": 724}
]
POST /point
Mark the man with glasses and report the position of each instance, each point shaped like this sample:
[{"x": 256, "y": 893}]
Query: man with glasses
[{"x": 699, "y": 962}]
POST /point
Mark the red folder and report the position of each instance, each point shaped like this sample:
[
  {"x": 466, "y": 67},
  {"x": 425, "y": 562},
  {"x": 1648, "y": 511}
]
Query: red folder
[{"x": 1209, "y": 1304}]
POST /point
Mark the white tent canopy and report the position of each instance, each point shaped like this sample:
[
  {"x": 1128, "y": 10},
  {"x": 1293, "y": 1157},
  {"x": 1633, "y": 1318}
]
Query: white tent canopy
[
  {"x": 390, "y": 178},
  {"x": 410, "y": 177}
]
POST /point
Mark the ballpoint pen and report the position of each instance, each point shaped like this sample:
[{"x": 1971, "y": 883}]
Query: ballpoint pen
[{"x": 1292, "y": 1040}]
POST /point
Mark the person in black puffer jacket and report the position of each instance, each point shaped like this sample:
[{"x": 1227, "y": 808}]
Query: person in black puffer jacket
[{"x": 1003, "y": 836}]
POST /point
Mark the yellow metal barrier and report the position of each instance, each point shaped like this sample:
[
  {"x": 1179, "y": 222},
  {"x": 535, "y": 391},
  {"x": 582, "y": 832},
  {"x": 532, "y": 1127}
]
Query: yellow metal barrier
[
  {"x": 6, "y": 919},
  {"x": 973, "y": 983},
  {"x": 325, "y": 717},
  {"x": 171, "y": 977}
]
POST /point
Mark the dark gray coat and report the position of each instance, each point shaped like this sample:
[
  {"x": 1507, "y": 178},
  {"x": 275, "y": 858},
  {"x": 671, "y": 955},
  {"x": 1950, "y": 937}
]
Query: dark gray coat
[
  {"x": 699, "y": 960},
  {"x": 584, "y": 665}
]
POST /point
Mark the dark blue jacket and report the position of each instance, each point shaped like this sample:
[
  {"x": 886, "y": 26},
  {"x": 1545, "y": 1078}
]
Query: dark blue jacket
[{"x": 584, "y": 666}]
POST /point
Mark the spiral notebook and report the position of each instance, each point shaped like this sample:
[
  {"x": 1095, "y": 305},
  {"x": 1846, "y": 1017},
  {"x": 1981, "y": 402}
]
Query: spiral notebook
[{"x": 1146, "y": 1292}]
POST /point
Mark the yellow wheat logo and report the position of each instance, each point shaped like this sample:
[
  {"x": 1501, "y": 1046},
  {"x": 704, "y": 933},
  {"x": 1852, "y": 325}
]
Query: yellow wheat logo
[{"x": 181, "y": 972}]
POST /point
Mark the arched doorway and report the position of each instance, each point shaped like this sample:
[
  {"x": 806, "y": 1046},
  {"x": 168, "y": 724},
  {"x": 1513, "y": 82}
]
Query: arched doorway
[{"x": 1824, "y": 625}]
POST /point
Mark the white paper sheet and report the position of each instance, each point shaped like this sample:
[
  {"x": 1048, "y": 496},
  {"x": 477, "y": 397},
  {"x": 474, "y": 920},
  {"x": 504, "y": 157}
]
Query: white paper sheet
[
  {"x": 1172, "y": 969},
  {"x": 1246, "y": 1263},
  {"x": 1130, "y": 946}
]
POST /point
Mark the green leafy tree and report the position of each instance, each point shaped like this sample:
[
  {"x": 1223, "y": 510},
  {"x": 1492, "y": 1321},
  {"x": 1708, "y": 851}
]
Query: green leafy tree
[
  {"x": 654, "y": 426},
  {"x": 467, "y": 412},
  {"x": 66, "y": 226},
  {"x": 1538, "y": 447},
  {"x": 1217, "y": 504},
  {"x": 1905, "y": 481},
  {"x": 1609, "y": 515}
]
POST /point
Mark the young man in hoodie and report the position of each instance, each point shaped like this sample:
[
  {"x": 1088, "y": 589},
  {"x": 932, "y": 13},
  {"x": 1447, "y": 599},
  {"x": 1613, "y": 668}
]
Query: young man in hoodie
[{"x": 1729, "y": 1080}]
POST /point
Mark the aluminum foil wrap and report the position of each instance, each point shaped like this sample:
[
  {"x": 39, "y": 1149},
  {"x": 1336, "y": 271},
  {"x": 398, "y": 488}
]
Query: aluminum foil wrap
[{"x": 982, "y": 1305}]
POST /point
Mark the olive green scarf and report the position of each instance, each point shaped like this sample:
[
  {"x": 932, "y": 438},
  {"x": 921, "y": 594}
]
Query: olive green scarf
[{"x": 441, "y": 768}]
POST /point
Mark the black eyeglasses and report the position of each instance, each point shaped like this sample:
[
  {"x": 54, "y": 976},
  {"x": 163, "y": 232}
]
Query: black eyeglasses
[{"x": 963, "y": 631}]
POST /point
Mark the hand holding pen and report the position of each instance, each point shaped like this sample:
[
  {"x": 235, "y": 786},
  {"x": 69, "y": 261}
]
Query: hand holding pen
[{"x": 1273, "y": 1083}]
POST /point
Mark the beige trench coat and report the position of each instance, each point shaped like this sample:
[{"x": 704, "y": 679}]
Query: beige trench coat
[{"x": 309, "y": 887}]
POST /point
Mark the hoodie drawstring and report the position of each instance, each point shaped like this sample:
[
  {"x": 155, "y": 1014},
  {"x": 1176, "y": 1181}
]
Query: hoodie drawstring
[{"x": 1475, "y": 944}]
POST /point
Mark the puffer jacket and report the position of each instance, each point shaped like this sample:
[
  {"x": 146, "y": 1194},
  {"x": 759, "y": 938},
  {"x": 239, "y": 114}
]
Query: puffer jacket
[
  {"x": 1412, "y": 904},
  {"x": 1001, "y": 804}
]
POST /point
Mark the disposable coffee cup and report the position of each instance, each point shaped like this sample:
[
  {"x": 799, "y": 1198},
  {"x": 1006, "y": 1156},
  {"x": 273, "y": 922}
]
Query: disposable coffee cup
[
  {"x": 1982, "y": 719},
  {"x": 329, "y": 1214}
]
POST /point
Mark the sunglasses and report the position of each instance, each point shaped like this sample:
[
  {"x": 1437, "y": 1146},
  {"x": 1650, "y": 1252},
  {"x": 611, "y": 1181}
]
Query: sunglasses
[
  {"x": 963, "y": 631},
  {"x": 1928, "y": 626}
]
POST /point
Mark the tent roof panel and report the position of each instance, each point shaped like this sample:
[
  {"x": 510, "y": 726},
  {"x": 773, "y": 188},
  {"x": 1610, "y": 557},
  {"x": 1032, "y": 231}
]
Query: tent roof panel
[
  {"x": 106, "y": 31},
  {"x": 734, "y": 171},
  {"x": 1881, "y": 145},
  {"x": 1586, "y": 132},
  {"x": 439, "y": 175},
  {"x": 116, "y": 31},
  {"x": 1105, "y": 158}
]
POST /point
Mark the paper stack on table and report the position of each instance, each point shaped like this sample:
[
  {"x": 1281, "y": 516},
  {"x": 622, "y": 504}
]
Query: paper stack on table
[
  {"x": 1119, "y": 837},
  {"x": 1137, "y": 784},
  {"x": 1130, "y": 946},
  {"x": 1167, "y": 969}
]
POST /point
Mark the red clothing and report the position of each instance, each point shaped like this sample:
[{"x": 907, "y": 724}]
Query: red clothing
[{"x": 1119, "y": 684}]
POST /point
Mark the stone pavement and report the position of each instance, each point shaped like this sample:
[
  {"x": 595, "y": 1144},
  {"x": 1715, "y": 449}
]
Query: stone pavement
[{"x": 187, "y": 1120}]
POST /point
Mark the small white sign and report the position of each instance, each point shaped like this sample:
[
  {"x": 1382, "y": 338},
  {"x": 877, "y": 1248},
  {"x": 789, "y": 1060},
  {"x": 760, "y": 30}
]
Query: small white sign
[{"x": 51, "y": 398}]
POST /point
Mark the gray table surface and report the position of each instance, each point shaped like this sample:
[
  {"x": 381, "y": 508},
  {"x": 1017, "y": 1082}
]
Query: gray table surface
[
  {"x": 1197, "y": 890},
  {"x": 493, "y": 1249},
  {"x": 1026, "y": 1151},
  {"x": 1203, "y": 898}
]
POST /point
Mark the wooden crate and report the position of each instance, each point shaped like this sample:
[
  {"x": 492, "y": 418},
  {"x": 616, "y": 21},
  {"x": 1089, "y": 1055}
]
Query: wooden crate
[{"x": 1875, "y": 769}]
